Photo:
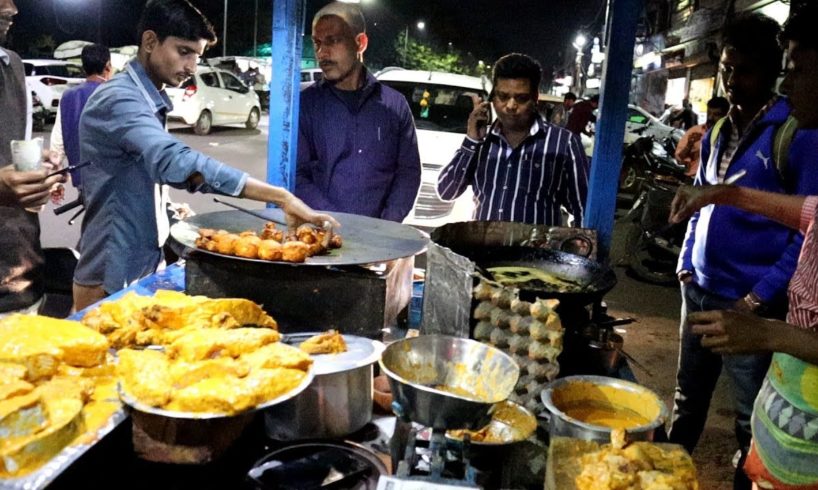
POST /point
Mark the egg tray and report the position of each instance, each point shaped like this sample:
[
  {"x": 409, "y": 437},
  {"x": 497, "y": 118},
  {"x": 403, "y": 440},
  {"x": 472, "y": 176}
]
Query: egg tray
[{"x": 530, "y": 332}]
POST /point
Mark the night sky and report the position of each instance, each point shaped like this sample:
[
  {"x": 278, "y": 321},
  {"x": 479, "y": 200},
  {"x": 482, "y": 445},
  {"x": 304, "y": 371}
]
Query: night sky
[{"x": 486, "y": 28}]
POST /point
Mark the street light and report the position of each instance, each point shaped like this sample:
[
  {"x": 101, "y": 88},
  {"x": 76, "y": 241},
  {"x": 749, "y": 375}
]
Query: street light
[
  {"x": 255, "y": 30},
  {"x": 224, "y": 31},
  {"x": 421, "y": 26},
  {"x": 579, "y": 44}
]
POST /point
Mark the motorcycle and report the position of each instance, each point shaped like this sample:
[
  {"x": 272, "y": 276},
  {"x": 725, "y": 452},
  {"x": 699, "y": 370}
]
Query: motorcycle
[
  {"x": 642, "y": 155},
  {"x": 652, "y": 244}
]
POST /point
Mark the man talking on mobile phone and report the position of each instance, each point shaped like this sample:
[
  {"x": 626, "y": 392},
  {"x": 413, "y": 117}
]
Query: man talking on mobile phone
[{"x": 521, "y": 168}]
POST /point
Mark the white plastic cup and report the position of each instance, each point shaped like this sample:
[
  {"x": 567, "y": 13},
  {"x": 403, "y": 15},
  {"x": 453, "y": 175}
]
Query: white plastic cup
[{"x": 27, "y": 155}]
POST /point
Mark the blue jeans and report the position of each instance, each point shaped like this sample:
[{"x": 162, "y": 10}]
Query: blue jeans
[{"x": 698, "y": 371}]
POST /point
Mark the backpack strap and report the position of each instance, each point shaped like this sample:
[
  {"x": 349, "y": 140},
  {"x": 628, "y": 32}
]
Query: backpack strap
[{"x": 781, "y": 145}]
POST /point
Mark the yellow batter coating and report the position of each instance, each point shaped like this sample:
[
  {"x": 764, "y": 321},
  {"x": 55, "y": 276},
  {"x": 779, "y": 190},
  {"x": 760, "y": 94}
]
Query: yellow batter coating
[
  {"x": 65, "y": 424},
  {"x": 22, "y": 416}
]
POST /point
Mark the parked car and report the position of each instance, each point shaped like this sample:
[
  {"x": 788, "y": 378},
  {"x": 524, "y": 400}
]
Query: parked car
[
  {"x": 642, "y": 123},
  {"x": 49, "y": 79},
  {"x": 310, "y": 76},
  {"x": 214, "y": 97},
  {"x": 441, "y": 127}
]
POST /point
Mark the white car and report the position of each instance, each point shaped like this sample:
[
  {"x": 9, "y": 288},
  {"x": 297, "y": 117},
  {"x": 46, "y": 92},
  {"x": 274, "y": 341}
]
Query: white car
[
  {"x": 310, "y": 76},
  {"x": 49, "y": 79},
  {"x": 441, "y": 127},
  {"x": 214, "y": 97},
  {"x": 642, "y": 123}
]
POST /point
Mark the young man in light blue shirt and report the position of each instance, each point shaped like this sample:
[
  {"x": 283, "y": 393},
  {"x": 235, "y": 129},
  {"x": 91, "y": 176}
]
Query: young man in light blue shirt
[{"x": 122, "y": 132}]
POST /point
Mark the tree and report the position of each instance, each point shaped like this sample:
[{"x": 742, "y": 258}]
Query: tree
[
  {"x": 415, "y": 54},
  {"x": 43, "y": 47}
]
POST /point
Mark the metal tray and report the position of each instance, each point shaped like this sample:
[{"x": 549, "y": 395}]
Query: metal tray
[
  {"x": 366, "y": 240},
  {"x": 141, "y": 407},
  {"x": 49, "y": 471},
  {"x": 361, "y": 351}
]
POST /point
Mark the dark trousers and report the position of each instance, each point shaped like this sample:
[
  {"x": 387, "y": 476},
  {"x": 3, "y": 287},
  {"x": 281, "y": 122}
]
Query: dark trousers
[{"x": 698, "y": 371}]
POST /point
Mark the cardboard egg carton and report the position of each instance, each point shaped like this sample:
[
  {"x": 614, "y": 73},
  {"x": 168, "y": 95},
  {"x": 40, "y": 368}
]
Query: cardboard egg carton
[{"x": 531, "y": 333}]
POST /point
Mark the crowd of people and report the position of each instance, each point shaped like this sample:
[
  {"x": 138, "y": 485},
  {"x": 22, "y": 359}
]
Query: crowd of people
[{"x": 747, "y": 271}]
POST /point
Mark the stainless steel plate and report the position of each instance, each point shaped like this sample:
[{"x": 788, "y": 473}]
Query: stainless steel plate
[
  {"x": 361, "y": 351},
  {"x": 366, "y": 240},
  {"x": 141, "y": 407}
]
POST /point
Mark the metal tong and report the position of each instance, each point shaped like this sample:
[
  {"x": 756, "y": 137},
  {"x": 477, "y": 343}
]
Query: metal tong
[{"x": 327, "y": 225}]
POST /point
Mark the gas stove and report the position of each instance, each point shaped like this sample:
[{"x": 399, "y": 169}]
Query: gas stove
[{"x": 430, "y": 461}]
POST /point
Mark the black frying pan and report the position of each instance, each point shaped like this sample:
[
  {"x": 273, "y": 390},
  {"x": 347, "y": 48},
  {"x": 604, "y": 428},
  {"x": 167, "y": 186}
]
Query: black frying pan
[{"x": 592, "y": 278}]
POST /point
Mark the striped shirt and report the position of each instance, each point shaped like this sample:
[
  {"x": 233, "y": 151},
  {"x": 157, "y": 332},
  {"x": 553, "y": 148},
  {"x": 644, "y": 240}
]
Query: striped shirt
[
  {"x": 803, "y": 293},
  {"x": 527, "y": 184},
  {"x": 736, "y": 139}
]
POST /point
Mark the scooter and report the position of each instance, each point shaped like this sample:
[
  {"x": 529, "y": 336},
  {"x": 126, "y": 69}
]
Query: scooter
[{"x": 653, "y": 245}]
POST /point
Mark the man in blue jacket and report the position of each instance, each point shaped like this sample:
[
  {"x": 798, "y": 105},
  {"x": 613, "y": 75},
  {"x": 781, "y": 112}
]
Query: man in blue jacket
[
  {"x": 357, "y": 147},
  {"x": 732, "y": 259}
]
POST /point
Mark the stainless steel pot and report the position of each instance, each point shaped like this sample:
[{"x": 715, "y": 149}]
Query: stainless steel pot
[
  {"x": 338, "y": 401},
  {"x": 562, "y": 424}
]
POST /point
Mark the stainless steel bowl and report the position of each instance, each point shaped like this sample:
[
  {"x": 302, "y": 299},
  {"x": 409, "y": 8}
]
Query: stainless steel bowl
[
  {"x": 524, "y": 424},
  {"x": 447, "y": 382},
  {"x": 562, "y": 424}
]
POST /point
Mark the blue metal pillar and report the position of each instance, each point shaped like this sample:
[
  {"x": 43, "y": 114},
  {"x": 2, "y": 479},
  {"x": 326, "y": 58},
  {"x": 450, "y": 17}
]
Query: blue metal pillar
[
  {"x": 282, "y": 141},
  {"x": 613, "y": 112}
]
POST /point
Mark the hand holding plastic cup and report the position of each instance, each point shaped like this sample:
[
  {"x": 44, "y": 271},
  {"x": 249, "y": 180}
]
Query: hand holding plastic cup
[{"x": 27, "y": 155}]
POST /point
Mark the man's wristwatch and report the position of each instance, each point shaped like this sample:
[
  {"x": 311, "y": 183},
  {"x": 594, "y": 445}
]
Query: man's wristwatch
[
  {"x": 753, "y": 302},
  {"x": 683, "y": 274}
]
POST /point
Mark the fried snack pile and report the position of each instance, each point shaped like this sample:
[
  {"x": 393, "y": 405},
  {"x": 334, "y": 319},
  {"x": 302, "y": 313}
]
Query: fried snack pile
[
  {"x": 214, "y": 371},
  {"x": 56, "y": 388},
  {"x": 162, "y": 318},
  {"x": 273, "y": 244},
  {"x": 330, "y": 342},
  {"x": 636, "y": 466}
]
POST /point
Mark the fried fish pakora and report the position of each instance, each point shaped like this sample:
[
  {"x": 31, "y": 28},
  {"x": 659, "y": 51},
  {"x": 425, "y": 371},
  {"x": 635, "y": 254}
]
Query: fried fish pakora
[
  {"x": 146, "y": 320},
  {"x": 184, "y": 374},
  {"x": 41, "y": 343},
  {"x": 330, "y": 342},
  {"x": 145, "y": 375},
  {"x": 210, "y": 343},
  {"x": 277, "y": 355},
  {"x": 639, "y": 465},
  {"x": 214, "y": 371}
]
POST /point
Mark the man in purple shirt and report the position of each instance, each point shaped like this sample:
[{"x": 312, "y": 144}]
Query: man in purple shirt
[
  {"x": 357, "y": 147},
  {"x": 65, "y": 137}
]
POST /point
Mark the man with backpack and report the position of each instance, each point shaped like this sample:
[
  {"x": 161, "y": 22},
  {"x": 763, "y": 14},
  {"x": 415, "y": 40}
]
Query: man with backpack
[{"x": 732, "y": 259}]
